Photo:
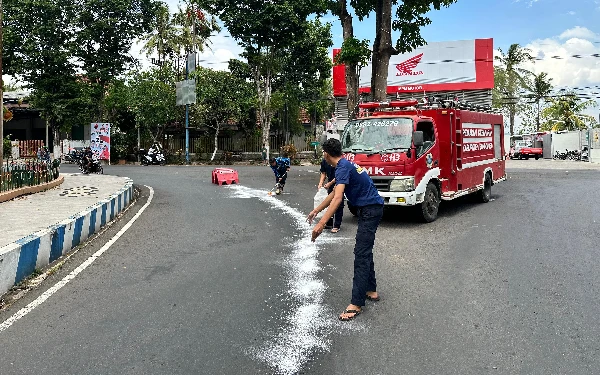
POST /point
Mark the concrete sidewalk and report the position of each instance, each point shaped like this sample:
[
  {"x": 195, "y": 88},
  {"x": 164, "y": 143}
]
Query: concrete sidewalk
[{"x": 37, "y": 229}]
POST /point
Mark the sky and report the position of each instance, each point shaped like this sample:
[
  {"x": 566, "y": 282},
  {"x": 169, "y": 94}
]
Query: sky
[{"x": 547, "y": 27}]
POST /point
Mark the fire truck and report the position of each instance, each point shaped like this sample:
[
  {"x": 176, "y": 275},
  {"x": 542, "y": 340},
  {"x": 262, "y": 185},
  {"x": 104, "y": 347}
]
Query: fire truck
[{"x": 419, "y": 154}]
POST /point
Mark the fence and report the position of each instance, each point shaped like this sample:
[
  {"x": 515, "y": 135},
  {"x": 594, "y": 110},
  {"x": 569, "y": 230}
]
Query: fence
[
  {"x": 29, "y": 149},
  {"x": 18, "y": 174},
  {"x": 250, "y": 144}
]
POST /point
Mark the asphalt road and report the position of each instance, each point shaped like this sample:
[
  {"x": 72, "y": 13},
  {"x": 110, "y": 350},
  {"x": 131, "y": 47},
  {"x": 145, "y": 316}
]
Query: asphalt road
[{"x": 225, "y": 280}]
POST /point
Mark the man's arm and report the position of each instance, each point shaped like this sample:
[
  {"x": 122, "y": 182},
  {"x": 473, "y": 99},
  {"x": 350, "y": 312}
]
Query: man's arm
[
  {"x": 332, "y": 201},
  {"x": 321, "y": 180},
  {"x": 327, "y": 185}
]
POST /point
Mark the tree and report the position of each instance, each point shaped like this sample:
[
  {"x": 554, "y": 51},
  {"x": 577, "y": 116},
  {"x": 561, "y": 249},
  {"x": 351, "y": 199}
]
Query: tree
[
  {"x": 566, "y": 113},
  {"x": 539, "y": 87},
  {"x": 40, "y": 39},
  {"x": 220, "y": 98},
  {"x": 354, "y": 53},
  {"x": 528, "y": 113},
  {"x": 106, "y": 30},
  {"x": 409, "y": 20},
  {"x": 151, "y": 98},
  {"x": 509, "y": 81},
  {"x": 163, "y": 39},
  {"x": 306, "y": 68},
  {"x": 265, "y": 30},
  {"x": 194, "y": 28}
]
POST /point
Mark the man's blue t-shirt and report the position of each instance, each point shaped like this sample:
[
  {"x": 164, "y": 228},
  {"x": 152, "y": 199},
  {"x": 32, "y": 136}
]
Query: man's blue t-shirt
[
  {"x": 328, "y": 170},
  {"x": 359, "y": 190}
]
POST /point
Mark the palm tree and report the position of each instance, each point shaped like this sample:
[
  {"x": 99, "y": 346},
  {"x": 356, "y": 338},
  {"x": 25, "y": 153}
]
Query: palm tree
[
  {"x": 509, "y": 79},
  {"x": 565, "y": 113},
  {"x": 194, "y": 29},
  {"x": 163, "y": 39},
  {"x": 539, "y": 88}
]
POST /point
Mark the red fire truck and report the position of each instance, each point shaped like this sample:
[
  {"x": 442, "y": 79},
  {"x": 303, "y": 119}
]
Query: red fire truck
[{"x": 421, "y": 154}]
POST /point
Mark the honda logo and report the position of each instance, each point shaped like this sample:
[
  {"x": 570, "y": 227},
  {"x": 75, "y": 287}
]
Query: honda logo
[{"x": 406, "y": 68}]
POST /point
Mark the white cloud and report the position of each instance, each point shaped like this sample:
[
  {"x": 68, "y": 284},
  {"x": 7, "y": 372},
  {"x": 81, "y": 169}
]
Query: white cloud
[
  {"x": 557, "y": 58},
  {"x": 571, "y": 13},
  {"x": 579, "y": 32}
]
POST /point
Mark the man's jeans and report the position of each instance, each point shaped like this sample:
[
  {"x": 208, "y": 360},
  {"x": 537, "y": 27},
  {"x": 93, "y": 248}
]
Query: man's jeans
[{"x": 364, "y": 268}]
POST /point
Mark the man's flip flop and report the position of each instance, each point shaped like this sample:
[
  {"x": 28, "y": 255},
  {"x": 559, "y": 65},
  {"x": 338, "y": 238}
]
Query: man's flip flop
[
  {"x": 345, "y": 319},
  {"x": 374, "y": 299},
  {"x": 335, "y": 230}
]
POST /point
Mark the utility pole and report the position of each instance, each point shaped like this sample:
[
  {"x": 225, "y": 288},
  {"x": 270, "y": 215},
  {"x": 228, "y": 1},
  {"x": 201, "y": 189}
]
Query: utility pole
[{"x": 1, "y": 95}]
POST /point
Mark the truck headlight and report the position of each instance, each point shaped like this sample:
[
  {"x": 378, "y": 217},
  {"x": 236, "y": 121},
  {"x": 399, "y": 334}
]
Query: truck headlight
[{"x": 403, "y": 184}]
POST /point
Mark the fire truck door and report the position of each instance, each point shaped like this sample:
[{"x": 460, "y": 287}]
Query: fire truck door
[{"x": 497, "y": 140}]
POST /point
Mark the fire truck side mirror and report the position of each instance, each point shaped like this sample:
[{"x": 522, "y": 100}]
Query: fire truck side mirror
[{"x": 418, "y": 138}]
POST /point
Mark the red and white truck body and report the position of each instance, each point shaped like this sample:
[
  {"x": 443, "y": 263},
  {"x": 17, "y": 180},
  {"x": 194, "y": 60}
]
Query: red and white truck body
[{"x": 420, "y": 156}]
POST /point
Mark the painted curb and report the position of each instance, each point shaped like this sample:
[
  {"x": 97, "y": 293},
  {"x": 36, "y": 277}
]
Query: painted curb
[
  {"x": 22, "y": 257},
  {"x": 6, "y": 196}
]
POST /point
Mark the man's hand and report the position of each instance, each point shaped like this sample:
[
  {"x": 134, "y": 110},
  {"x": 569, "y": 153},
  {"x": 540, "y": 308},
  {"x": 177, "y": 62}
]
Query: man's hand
[
  {"x": 311, "y": 216},
  {"x": 317, "y": 230}
]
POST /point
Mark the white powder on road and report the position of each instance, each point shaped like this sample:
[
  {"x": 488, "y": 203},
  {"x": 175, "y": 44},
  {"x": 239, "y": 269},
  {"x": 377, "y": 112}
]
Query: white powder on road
[{"x": 309, "y": 324}]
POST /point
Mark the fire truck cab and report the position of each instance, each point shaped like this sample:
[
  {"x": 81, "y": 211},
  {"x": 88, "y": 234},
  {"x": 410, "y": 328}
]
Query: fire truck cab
[{"x": 419, "y": 155}]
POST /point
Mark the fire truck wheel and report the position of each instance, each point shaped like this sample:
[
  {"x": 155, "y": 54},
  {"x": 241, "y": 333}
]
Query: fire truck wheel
[
  {"x": 537, "y": 157},
  {"x": 486, "y": 193},
  {"x": 431, "y": 203}
]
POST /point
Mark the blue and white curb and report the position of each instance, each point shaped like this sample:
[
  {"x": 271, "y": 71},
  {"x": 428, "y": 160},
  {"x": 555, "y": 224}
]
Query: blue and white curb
[{"x": 21, "y": 258}]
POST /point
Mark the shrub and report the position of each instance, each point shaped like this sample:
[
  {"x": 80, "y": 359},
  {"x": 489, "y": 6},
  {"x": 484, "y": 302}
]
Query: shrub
[
  {"x": 289, "y": 151},
  {"x": 6, "y": 147}
]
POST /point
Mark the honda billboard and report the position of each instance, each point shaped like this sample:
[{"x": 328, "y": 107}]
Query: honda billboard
[{"x": 437, "y": 66}]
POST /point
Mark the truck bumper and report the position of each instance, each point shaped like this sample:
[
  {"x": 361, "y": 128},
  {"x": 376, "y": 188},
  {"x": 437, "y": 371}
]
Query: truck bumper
[{"x": 408, "y": 198}]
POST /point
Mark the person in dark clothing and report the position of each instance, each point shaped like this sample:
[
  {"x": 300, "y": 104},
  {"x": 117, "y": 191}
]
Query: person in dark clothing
[
  {"x": 355, "y": 183},
  {"x": 87, "y": 159},
  {"x": 280, "y": 167},
  {"x": 327, "y": 171}
]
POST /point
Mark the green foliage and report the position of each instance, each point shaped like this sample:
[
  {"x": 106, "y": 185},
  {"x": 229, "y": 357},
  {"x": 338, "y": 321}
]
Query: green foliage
[
  {"x": 410, "y": 18},
  {"x": 151, "y": 99},
  {"x": 6, "y": 147},
  {"x": 220, "y": 97},
  {"x": 193, "y": 28},
  {"x": 509, "y": 81},
  {"x": 354, "y": 51},
  {"x": 566, "y": 113},
  {"x": 268, "y": 31}
]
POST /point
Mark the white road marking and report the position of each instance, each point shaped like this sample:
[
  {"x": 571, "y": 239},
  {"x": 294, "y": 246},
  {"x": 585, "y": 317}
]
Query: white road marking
[
  {"x": 48, "y": 293},
  {"x": 309, "y": 322}
]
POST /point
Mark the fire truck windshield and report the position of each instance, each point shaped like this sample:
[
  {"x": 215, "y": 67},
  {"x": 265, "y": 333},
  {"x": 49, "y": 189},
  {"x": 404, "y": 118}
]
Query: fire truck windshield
[{"x": 374, "y": 135}]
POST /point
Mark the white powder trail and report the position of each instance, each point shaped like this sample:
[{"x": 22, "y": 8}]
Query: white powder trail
[{"x": 310, "y": 323}]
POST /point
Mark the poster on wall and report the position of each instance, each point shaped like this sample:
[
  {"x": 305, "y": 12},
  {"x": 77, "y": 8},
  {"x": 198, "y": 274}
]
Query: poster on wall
[{"x": 100, "y": 140}]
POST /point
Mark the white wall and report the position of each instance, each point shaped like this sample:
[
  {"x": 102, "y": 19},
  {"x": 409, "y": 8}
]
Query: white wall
[{"x": 566, "y": 141}]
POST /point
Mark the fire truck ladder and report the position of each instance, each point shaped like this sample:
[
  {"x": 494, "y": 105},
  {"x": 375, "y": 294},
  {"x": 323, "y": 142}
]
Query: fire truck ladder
[{"x": 459, "y": 146}]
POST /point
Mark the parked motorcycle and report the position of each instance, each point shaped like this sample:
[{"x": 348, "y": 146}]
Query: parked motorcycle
[{"x": 154, "y": 155}]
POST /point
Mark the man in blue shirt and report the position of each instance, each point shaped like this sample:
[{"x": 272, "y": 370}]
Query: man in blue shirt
[
  {"x": 280, "y": 167},
  {"x": 355, "y": 183}
]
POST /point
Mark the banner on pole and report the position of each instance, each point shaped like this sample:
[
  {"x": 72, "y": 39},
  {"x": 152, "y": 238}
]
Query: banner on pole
[{"x": 100, "y": 140}]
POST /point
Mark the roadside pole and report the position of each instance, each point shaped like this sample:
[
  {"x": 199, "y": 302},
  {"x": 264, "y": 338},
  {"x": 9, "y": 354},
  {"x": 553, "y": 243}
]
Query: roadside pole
[
  {"x": 1, "y": 94},
  {"x": 187, "y": 109}
]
